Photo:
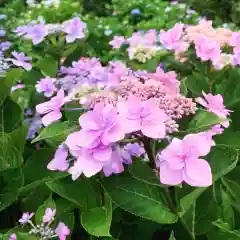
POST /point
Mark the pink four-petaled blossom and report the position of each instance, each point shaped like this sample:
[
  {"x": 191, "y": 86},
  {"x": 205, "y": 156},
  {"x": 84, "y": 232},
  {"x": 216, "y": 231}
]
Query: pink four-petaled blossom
[
  {"x": 59, "y": 162},
  {"x": 117, "y": 41},
  {"x": 141, "y": 116},
  {"x": 181, "y": 162},
  {"x": 21, "y": 60},
  {"x": 26, "y": 217},
  {"x": 101, "y": 125},
  {"x": 49, "y": 215},
  {"x": 13, "y": 236},
  {"x": 214, "y": 104},
  {"x": 172, "y": 39},
  {"x": 74, "y": 29},
  {"x": 46, "y": 85},
  {"x": 207, "y": 49},
  {"x": 51, "y": 109},
  {"x": 62, "y": 231}
]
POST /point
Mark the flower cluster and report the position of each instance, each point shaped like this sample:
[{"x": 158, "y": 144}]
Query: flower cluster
[
  {"x": 36, "y": 32},
  {"x": 211, "y": 44},
  {"x": 44, "y": 231}
]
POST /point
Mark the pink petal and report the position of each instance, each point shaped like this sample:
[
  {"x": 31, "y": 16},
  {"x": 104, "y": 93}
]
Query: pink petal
[
  {"x": 43, "y": 108},
  {"x": 198, "y": 173},
  {"x": 88, "y": 138},
  {"x": 103, "y": 154},
  {"x": 130, "y": 126},
  {"x": 114, "y": 134},
  {"x": 169, "y": 176},
  {"x": 51, "y": 117},
  {"x": 90, "y": 121},
  {"x": 201, "y": 101},
  {"x": 153, "y": 131}
]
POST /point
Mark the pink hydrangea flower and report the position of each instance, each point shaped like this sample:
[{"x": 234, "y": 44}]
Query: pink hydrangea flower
[
  {"x": 235, "y": 40},
  {"x": 180, "y": 161},
  {"x": 26, "y": 217},
  {"x": 62, "y": 231},
  {"x": 74, "y": 29},
  {"x": 172, "y": 39},
  {"x": 168, "y": 79},
  {"x": 143, "y": 116},
  {"x": 21, "y": 60},
  {"x": 214, "y": 104},
  {"x": 13, "y": 237},
  {"x": 49, "y": 215},
  {"x": 59, "y": 162},
  {"x": 46, "y": 85},
  {"x": 90, "y": 161},
  {"x": 207, "y": 49},
  {"x": 51, "y": 109},
  {"x": 101, "y": 125},
  {"x": 117, "y": 41}
]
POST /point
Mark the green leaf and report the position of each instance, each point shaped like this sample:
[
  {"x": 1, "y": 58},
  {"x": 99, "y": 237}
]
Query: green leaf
[
  {"x": 39, "y": 160},
  {"x": 172, "y": 236},
  {"x": 222, "y": 160},
  {"x": 80, "y": 192},
  {"x": 4, "y": 92},
  {"x": 225, "y": 228},
  {"x": 203, "y": 120},
  {"x": 12, "y": 76},
  {"x": 138, "y": 198},
  {"x": 49, "y": 203},
  {"x": 10, "y": 156},
  {"x": 48, "y": 66},
  {"x": 183, "y": 88},
  {"x": 230, "y": 137},
  {"x": 97, "y": 221},
  {"x": 10, "y": 120},
  {"x": 55, "y": 133},
  {"x": 196, "y": 83},
  {"x": 11, "y": 181},
  {"x": 142, "y": 172}
]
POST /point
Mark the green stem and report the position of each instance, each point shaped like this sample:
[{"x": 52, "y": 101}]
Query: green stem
[{"x": 149, "y": 151}]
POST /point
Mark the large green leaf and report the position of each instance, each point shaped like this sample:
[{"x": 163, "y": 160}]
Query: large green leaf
[
  {"x": 10, "y": 156},
  {"x": 48, "y": 66},
  {"x": 55, "y": 133},
  {"x": 80, "y": 192},
  {"x": 11, "y": 115},
  {"x": 97, "y": 221},
  {"x": 4, "y": 92},
  {"x": 11, "y": 181},
  {"x": 39, "y": 161},
  {"x": 12, "y": 76},
  {"x": 139, "y": 198}
]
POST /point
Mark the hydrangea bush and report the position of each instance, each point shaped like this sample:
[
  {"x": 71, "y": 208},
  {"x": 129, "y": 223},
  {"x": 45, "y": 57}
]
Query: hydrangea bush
[{"x": 139, "y": 141}]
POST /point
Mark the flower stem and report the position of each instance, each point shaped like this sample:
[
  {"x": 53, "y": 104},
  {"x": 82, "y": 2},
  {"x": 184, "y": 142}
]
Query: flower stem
[
  {"x": 149, "y": 151},
  {"x": 73, "y": 109}
]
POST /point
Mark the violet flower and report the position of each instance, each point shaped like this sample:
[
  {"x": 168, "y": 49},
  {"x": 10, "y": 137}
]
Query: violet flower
[
  {"x": 21, "y": 60},
  {"x": 46, "y": 85},
  {"x": 26, "y": 217}
]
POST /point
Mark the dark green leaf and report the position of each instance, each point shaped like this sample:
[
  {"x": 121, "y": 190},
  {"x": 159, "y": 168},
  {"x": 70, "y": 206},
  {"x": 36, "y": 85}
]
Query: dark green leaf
[
  {"x": 138, "y": 198},
  {"x": 48, "y": 66}
]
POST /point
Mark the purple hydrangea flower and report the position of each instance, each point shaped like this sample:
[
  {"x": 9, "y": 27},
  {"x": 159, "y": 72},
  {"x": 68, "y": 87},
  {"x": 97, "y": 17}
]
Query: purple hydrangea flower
[
  {"x": 2, "y": 16},
  {"x": 46, "y": 85},
  {"x": 49, "y": 215},
  {"x": 13, "y": 236},
  {"x": 74, "y": 29},
  {"x": 21, "y": 60},
  {"x": 135, "y": 11},
  {"x": 26, "y": 217},
  {"x": 5, "y": 46},
  {"x": 2, "y": 33},
  {"x": 62, "y": 231}
]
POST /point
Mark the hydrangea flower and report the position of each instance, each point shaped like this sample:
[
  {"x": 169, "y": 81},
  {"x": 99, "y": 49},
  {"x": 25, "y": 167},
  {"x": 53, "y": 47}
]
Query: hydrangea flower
[
  {"x": 99, "y": 126},
  {"x": 51, "y": 109},
  {"x": 59, "y": 162},
  {"x": 21, "y": 60},
  {"x": 2, "y": 33},
  {"x": 62, "y": 231},
  {"x": 117, "y": 41},
  {"x": 49, "y": 215},
  {"x": 74, "y": 29},
  {"x": 207, "y": 49},
  {"x": 13, "y": 236},
  {"x": 214, "y": 104},
  {"x": 46, "y": 85},
  {"x": 180, "y": 161},
  {"x": 142, "y": 116},
  {"x": 5, "y": 46},
  {"x": 26, "y": 217},
  {"x": 135, "y": 11}
]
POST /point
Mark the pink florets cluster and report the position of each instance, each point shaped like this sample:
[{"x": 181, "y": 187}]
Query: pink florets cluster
[{"x": 209, "y": 43}]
